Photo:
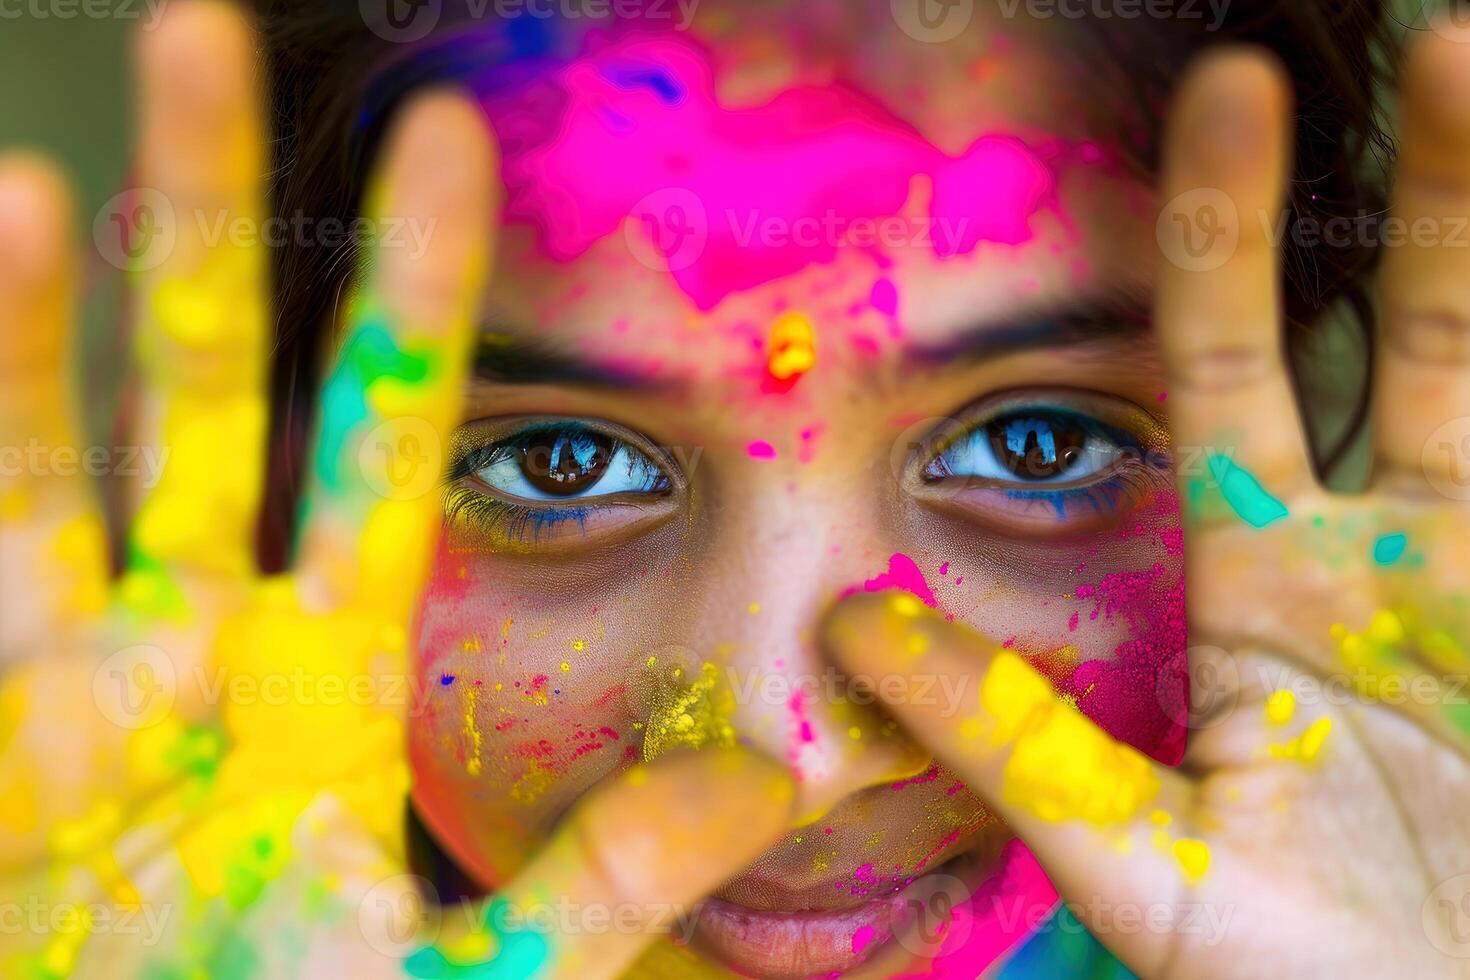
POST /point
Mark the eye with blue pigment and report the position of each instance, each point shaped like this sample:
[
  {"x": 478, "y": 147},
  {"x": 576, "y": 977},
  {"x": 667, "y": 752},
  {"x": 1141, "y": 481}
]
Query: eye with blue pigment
[
  {"x": 563, "y": 460},
  {"x": 1031, "y": 447}
]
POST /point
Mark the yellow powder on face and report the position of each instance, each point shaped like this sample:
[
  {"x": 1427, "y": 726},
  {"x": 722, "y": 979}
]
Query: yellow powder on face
[
  {"x": 472, "y": 729},
  {"x": 696, "y": 715},
  {"x": 1061, "y": 767}
]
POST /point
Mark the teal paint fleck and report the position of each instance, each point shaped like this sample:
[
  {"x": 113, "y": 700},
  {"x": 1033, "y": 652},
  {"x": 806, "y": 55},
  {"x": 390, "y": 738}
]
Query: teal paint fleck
[
  {"x": 1244, "y": 493},
  {"x": 1390, "y": 548},
  {"x": 520, "y": 954}
]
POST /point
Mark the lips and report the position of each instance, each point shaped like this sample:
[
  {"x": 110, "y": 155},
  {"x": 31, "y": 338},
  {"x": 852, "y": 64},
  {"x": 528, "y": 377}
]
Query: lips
[{"x": 816, "y": 931}]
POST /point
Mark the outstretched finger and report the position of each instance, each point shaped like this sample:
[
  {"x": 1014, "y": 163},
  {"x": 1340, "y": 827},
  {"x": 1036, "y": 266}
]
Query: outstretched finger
[
  {"x": 1218, "y": 309},
  {"x": 52, "y": 546},
  {"x": 396, "y": 387},
  {"x": 1422, "y": 392},
  {"x": 1108, "y": 823},
  {"x": 640, "y": 853},
  {"x": 201, "y": 337}
]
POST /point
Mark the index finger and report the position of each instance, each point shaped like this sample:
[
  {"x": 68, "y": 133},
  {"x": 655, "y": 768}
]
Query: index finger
[{"x": 1089, "y": 806}]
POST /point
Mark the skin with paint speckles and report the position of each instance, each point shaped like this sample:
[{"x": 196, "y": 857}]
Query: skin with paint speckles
[
  {"x": 794, "y": 403},
  {"x": 706, "y": 506}
]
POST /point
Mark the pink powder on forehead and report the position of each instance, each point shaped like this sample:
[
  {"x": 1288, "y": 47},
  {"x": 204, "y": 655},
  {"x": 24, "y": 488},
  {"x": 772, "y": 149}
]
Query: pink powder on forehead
[{"x": 734, "y": 198}]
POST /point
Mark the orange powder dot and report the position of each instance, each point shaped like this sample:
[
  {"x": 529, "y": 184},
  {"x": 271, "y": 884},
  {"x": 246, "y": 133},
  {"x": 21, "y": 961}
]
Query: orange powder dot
[{"x": 791, "y": 347}]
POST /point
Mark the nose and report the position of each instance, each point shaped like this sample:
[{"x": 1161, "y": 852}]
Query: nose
[{"x": 781, "y": 558}]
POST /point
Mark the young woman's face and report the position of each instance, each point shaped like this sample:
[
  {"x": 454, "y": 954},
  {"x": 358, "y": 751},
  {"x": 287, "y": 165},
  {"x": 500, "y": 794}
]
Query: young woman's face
[{"x": 775, "y": 319}]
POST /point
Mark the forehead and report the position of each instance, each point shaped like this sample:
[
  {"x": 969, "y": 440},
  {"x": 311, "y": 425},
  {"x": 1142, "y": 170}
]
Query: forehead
[{"x": 681, "y": 198}]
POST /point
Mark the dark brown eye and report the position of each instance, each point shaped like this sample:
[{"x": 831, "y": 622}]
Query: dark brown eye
[
  {"x": 1036, "y": 448},
  {"x": 565, "y": 463}
]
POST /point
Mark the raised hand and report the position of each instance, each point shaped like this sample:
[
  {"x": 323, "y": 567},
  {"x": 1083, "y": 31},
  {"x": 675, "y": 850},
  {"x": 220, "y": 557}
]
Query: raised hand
[
  {"x": 1320, "y": 808},
  {"x": 203, "y": 766}
]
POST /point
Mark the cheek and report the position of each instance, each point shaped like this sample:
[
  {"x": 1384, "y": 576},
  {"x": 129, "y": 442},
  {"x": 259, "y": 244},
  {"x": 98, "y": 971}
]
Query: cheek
[
  {"x": 522, "y": 699},
  {"x": 1104, "y": 619}
]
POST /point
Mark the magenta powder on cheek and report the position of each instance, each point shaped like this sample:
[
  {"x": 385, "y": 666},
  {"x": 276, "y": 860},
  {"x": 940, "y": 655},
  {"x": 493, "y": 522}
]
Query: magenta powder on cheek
[
  {"x": 739, "y": 197},
  {"x": 902, "y": 574}
]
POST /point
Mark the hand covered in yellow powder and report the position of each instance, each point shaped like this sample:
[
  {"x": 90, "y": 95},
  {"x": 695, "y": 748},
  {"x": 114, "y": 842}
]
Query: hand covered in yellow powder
[
  {"x": 1320, "y": 810},
  {"x": 203, "y": 768}
]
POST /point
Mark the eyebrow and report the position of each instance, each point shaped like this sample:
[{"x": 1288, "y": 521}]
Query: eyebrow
[
  {"x": 504, "y": 355},
  {"x": 1108, "y": 320}
]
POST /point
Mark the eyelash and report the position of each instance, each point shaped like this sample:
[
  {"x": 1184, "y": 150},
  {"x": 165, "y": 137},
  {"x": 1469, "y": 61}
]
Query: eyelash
[
  {"x": 1126, "y": 482},
  {"x": 524, "y": 523},
  {"x": 513, "y": 521},
  {"x": 507, "y": 520}
]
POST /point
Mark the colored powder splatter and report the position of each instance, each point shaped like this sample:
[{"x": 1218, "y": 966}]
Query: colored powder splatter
[
  {"x": 1061, "y": 767},
  {"x": 791, "y": 349},
  {"x": 1245, "y": 495},
  {"x": 902, "y": 574},
  {"x": 1141, "y": 693},
  {"x": 516, "y": 952},
  {"x": 983, "y": 929},
  {"x": 1390, "y": 548},
  {"x": 704, "y": 183},
  {"x": 1193, "y": 858},
  {"x": 760, "y": 449},
  {"x": 472, "y": 729},
  {"x": 1280, "y": 707},
  {"x": 1306, "y": 746},
  {"x": 696, "y": 715},
  {"x": 372, "y": 369},
  {"x": 884, "y": 297},
  {"x": 862, "y": 939}
]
